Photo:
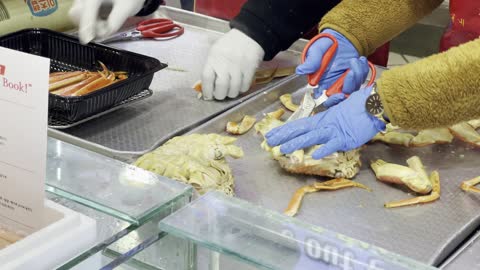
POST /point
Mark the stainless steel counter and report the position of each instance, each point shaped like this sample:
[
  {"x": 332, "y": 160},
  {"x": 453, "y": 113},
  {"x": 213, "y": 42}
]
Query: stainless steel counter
[
  {"x": 174, "y": 108},
  {"x": 427, "y": 233}
]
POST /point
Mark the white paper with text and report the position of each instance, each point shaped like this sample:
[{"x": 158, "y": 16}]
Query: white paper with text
[{"x": 23, "y": 138}]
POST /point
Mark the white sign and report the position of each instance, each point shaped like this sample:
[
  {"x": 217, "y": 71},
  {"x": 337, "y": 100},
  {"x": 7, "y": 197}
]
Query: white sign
[{"x": 23, "y": 138}]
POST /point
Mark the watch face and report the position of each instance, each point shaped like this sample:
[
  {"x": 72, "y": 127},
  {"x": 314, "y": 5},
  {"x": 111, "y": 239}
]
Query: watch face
[{"x": 374, "y": 104}]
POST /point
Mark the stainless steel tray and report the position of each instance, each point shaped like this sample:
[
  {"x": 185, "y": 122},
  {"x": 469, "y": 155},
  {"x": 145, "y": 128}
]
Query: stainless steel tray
[
  {"x": 427, "y": 233},
  {"x": 174, "y": 107},
  {"x": 466, "y": 257}
]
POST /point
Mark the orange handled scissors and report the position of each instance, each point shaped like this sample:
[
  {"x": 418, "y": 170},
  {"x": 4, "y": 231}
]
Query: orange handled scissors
[
  {"x": 153, "y": 28},
  {"x": 309, "y": 103}
]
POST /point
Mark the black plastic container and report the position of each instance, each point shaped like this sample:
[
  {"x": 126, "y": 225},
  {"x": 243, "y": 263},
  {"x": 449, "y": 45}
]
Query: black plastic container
[{"x": 67, "y": 54}]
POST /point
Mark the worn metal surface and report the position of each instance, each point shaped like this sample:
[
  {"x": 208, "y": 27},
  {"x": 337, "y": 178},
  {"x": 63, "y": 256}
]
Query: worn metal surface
[
  {"x": 426, "y": 233},
  {"x": 466, "y": 257},
  {"x": 174, "y": 107}
]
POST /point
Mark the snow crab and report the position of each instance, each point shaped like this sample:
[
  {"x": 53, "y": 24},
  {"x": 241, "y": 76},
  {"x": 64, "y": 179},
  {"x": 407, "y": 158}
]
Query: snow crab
[
  {"x": 413, "y": 176},
  {"x": 196, "y": 159},
  {"x": 79, "y": 83},
  {"x": 338, "y": 165}
]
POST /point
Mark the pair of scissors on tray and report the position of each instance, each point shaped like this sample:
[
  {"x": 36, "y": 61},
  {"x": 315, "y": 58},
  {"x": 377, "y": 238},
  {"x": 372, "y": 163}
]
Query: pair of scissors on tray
[
  {"x": 311, "y": 105},
  {"x": 153, "y": 28}
]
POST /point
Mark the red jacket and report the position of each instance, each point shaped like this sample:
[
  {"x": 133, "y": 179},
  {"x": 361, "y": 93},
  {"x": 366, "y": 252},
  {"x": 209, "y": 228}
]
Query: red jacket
[{"x": 464, "y": 25}]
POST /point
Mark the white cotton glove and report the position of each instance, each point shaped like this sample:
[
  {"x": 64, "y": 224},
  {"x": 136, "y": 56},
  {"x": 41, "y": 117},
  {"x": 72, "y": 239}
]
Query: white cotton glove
[
  {"x": 85, "y": 14},
  {"x": 231, "y": 65}
]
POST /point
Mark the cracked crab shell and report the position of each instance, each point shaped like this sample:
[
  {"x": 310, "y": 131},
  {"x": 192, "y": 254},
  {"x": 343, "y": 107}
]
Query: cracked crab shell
[{"x": 338, "y": 165}]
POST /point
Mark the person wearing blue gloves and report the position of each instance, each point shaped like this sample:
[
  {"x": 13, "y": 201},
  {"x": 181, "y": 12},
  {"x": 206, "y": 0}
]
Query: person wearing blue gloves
[{"x": 437, "y": 91}]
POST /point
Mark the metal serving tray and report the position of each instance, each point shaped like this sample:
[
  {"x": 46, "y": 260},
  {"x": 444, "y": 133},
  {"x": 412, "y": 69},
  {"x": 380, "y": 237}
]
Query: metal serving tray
[
  {"x": 174, "y": 106},
  {"x": 465, "y": 257},
  {"x": 427, "y": 233}
]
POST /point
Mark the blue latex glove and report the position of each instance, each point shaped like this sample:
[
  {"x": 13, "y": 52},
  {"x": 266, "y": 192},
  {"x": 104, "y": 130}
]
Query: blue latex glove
[
  {"x": 346, "y": 58},
  {"x": 343, "y": 127}
]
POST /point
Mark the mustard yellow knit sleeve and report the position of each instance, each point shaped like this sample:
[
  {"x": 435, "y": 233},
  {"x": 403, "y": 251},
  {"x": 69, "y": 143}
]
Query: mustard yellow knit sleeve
[
  {"x": 368, "y": 24},
  {"x": 437, "y": 91}
]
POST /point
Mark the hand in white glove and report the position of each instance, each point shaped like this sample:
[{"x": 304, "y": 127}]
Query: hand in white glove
[
  {"x": 231, "y": 65},
  {"x": 85, "y": 13}
]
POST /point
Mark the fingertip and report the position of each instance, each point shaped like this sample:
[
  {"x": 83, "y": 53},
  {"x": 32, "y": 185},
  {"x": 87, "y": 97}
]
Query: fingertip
[
  {"x": 208, "y": 79},
  {"x": 349, "y": 83}
]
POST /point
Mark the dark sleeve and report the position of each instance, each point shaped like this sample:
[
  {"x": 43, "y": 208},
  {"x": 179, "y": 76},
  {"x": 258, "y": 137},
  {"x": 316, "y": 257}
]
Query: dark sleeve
[
  {"x": 149, "y": 7},
  {"x": 276, "y": 24}
]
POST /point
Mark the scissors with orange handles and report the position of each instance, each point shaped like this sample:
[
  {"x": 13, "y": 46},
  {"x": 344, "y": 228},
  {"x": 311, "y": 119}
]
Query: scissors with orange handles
[
  {"x": 309, "y": 103},
  {"x": 154, "y": 28}
]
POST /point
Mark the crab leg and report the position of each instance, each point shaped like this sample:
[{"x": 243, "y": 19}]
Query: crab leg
[
  {"x": 466, "y": 133},
  {"x": 66, "y": 82},
  {"x": 335, "y": 184},
  {"x": 60, "y": 76},
  {"x": 242, "y": 128},
  {"x": 69, "y": 90},
  {"x": 93, "y": 86},
  {"x": 432, "y": 136},
  {"x": 469, "y": 185},
  {"x": 398, "y": 174},
  {"x": 394, "y": 137},
  {"x": 435, "y": 180},
  {"x": 286, "y": 100}
]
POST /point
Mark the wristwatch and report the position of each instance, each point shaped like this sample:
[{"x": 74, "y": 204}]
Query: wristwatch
[{"x": 374, "y": 105}]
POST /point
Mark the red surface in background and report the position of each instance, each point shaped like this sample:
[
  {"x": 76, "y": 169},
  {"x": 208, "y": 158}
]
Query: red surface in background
[{"x": 464, "y": 25}]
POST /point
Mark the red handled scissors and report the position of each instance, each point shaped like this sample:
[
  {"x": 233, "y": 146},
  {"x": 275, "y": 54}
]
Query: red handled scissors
[
  {"x": 309, "y": 103},
  {"x": 153, "y": 28}
]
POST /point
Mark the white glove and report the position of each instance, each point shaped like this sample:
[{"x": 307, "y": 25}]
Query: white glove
[
  {"x": 231, "y": 65},
  {"x": 85, "y": 14}
]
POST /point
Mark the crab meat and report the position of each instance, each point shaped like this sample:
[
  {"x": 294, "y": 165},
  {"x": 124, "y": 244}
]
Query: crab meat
[
  {"x": 334, "y": 184},
  {"x": 467, "y": 133},
  {"x": 286, "y": 101},
  {"x": 196, "y": 159},
  {"x": 413, "y": 176},
  {"x": 338, "y": 165},
  {"x": 242, "y": 128},
  {"x": 469, "y": 185}
]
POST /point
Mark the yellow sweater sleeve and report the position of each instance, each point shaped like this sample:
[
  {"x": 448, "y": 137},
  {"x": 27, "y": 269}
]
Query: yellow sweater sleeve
[
  {"x": 368, "y": 24},
  {"x": 437, "y": 91}
]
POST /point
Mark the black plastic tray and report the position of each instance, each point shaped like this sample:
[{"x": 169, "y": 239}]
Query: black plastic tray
[{"x": 67, "y": 54}]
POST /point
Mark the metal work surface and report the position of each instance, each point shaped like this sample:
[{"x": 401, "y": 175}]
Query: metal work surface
[
  {"x": 174, "y": 106},
  {"x": 467, "y": 256},
  {"x": 427, "y": 233}
]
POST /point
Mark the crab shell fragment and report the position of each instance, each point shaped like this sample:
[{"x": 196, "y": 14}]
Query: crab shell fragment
[
  {"x": 338, "y": 165},
  {"x": 245, "y": 125},
  {"x": 196, "y": 159}
]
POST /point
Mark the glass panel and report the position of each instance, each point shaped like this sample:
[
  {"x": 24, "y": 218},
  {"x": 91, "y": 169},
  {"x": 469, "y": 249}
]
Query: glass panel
[
  {"x": 108, "y": 185},
  {"x": 270, "y": 240}
]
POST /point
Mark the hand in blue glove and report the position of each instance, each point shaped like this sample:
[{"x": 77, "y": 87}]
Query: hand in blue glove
[
  {"x": 343, "y": 127},
  {"x": 346, "y": 58}
]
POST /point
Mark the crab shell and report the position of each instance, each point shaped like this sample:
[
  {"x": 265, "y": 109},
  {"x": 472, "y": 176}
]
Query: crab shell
[{"x": 338, "y": 165}]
